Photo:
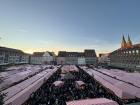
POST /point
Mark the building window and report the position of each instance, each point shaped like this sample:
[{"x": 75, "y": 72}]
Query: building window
[{"x": 137, "y": 51}]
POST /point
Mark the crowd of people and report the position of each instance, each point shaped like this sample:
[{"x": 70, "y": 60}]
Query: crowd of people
[{"x": 49, "y": 94}]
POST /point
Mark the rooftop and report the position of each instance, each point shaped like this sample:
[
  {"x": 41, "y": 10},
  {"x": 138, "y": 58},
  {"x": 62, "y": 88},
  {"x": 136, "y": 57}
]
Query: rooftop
[
  {"x": 11, "y": 50},
  {"x": 86, "y": 53}
]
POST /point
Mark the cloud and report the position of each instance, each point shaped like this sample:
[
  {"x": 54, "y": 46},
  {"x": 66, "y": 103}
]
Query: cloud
[
  {"x": 23, "y": 30},
  {"x": 3, "y": 34},
  {"x": 42, "y": 41}
]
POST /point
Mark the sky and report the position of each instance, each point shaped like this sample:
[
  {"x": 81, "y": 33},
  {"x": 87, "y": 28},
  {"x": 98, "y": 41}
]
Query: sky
[{"x": 70, "y": 25}]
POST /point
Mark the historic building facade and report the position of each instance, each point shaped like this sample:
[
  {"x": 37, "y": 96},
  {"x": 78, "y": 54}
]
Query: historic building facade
[
  {"x": 80, "y": 58},
  {"x": 12, "y": 56},
  {"x": 127, "y": 57},
  {"x": 43, "y": 58},
  {"x": 104, "y": 59}
]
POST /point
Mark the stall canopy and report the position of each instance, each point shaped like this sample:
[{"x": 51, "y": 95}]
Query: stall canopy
[
  {"x": 98, "y": 101},
  {"x": 58, "y": 83}
]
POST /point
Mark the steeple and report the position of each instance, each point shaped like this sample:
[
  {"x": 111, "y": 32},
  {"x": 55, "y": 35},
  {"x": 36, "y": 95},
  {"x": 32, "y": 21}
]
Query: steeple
[
  {"x": 129, "y": 43},
  {"x": 123, "y": 44}
]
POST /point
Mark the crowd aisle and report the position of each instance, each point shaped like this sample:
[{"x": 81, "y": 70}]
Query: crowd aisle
[{"x": 49, "y": 94}]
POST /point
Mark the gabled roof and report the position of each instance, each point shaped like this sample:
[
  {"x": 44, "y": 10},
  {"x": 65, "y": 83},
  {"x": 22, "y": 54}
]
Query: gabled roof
[
  {"x": 38, "y": 54},
  {"x": 90, "y": 53},
  {"x": 67, "y": 54},
  {"x": 51, "y": 53},
  {"x": 86, "y": 53},
  {"x": 62, "y": 53},
  {"x": 71, "y": 54}
]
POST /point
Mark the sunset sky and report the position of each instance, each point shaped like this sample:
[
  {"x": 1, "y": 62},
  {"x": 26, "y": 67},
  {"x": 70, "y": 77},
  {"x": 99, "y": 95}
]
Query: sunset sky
[{"x": 71, "y": 25}]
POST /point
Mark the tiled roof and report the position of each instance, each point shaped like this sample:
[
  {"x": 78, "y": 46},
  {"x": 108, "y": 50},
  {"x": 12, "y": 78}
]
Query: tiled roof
[
  {"x": 137, "y": 45},
  {"x": 51, "y": 53},
  {"x": 11, "y": 50},
  {"x": 38, "y": 54},
  {"x": 90, "y": 53},
  {"x": 62, "y": 53},
  {"x": 87, "y": 53}
]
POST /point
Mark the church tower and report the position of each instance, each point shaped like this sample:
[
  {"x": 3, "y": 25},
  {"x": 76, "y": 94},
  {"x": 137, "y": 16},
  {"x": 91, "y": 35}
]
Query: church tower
[
  {"x": 129, "y": 42},
  {"x": 123, "y": 44}
]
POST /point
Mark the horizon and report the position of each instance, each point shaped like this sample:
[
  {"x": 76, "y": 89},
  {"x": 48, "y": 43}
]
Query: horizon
[{"x": 68, "y": 25}]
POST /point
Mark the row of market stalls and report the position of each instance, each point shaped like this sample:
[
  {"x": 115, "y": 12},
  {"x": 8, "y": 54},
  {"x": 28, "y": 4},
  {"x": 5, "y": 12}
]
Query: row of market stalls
[
  {"x": 131, "y": 78},
  {"x": 122, "y": 85},
  {"x": 19, "y": 93},
  {"x": 15, "y": 75},
  {"x": 68, "y": 72},
  {"x": 69, "y": 86}
]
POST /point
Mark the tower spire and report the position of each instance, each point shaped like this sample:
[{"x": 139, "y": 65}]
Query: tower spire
[
  {"x": 129, "y": 42},
  {"x": 123, "y": 44}
]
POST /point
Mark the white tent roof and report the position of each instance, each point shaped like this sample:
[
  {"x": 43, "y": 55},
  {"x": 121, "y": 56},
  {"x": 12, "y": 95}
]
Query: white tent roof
[
  {"x": 80, "y": 83},
  {"x": 16, "y": 93},
  {"x": 68, "y": 68},
  {"x": 133, "y": 78},
  {"x": 98, "y": 101},
  {"x": 58, "y": 83},
  {"x": 121, "y": 89},
  {"x": 14, "y": 76}
]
